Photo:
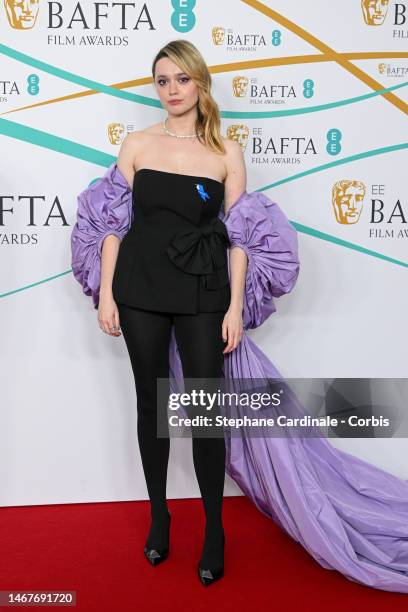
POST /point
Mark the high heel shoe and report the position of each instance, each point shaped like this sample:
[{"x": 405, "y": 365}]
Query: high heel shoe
[
  {"x": 156, "y": 555},
  {"x": 208, "y": 576}
]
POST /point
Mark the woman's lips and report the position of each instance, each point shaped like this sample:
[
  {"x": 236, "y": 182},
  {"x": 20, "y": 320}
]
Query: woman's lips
[{"x": 175, "y": 102}]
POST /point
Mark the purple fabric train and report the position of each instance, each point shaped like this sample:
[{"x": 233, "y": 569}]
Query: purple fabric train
[{"x": 349, "y": 515}]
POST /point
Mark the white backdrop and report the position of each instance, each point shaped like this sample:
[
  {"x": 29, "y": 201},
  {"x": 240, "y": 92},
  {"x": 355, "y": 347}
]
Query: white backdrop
[{"x": 68, "y": 409}]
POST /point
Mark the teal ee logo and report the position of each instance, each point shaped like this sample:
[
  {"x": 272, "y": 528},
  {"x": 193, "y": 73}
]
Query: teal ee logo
[
  {"x": 183, "y": 18},
  {"x": 276, "y": 38},
  {"x": 333, "y": 146},
  {"x": 308, "y": 91},
  {"x": 33, "y": 84}
]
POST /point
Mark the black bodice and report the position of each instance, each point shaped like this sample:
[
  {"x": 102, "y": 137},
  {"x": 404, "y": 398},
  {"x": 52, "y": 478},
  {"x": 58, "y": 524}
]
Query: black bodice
[{"x": 174, "y": 257}]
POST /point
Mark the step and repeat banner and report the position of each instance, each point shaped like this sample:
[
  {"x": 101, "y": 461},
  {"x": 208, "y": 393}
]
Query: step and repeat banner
[{"x": 315, "y": 94}]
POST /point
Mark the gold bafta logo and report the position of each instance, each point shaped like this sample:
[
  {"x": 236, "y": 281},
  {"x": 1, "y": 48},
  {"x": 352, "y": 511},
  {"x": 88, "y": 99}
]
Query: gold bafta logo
[
  {"x": 347, "y": 200},
  {"x": 240, "y": 86},
  {"x": 374, "y": 11},
  {"x": 21, "y": 14},
  {"x": 218, "y": 35},
  {"x": 382, "y": 68},
  {"x": 115, "y": 133},
  {"x": 240, "y": 134}
]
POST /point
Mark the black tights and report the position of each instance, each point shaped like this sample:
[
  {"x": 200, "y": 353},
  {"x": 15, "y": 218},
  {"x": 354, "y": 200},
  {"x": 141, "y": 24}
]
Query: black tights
[{"x": 199, "y": 339}]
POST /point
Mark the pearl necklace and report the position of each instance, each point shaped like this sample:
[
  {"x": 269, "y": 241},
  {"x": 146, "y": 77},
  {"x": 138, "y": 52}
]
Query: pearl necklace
[{"x": 176, "y": 135}]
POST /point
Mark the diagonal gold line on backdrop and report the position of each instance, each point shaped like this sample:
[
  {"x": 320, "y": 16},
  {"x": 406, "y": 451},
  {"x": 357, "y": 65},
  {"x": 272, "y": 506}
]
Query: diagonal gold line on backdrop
[
  {"x": 231, "y": 67},
  {"x": 330, "y": 53}
]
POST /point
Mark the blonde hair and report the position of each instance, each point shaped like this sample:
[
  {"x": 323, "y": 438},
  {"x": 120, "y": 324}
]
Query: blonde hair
[{"x": 189, "y": 59}]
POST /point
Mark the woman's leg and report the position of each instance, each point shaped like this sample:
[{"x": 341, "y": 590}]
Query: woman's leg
[
  {"x": 147, "y": 337},
  {"x": 199, "y": 339}
]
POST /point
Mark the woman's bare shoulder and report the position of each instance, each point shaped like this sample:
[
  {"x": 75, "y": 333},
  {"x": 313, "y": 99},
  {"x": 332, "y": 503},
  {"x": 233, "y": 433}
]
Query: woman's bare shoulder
[
  {"x": 130, "y": 150},
  {"x": 133, "y": 145},
  {"x": 140, "y": 135},
  {"x": 231, "y": 146},
  {"x": 151, "y": 130}
]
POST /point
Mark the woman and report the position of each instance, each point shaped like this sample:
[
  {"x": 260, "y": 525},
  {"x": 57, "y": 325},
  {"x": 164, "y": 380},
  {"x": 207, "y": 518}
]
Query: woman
[
  {"x": 170, "y": 188},
  {"x": 180, "y": 171}
]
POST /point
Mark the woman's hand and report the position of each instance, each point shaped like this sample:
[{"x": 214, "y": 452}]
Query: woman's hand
[
  {"x": 108, "y": 315},
  {"x": 232, "y": 328}
]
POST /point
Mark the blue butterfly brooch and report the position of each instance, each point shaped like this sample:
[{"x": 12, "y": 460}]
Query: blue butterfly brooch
[{"x": 203, "y": 194}]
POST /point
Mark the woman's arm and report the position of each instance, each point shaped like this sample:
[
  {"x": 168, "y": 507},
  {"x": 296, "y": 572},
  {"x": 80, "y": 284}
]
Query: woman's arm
[
  {"x": 108, "y": 315},
  {"x": 235, "y": 184}
]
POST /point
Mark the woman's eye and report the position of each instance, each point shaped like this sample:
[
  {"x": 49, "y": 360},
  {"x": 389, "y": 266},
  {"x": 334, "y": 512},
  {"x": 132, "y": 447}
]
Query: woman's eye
[{"x": 161, "y": 82}]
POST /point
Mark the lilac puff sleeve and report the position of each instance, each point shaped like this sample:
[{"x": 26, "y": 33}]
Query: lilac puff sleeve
[
  {"x": 257, "y": 225},
  {"x": 104, "y": 208}
]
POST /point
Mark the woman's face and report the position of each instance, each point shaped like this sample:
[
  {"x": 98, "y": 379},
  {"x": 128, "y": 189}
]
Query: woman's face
[{"x": 173, "y": 84}]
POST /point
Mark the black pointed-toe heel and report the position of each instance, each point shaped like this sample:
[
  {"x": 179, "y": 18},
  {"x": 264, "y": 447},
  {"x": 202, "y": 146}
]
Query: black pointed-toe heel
[
  {"x": 208, "y": 576},
  {"x": 156, "y": 555}
]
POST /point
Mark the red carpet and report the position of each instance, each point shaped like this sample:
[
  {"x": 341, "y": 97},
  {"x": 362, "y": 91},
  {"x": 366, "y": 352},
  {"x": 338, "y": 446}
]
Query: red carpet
[{"x": 97, "y": 551}]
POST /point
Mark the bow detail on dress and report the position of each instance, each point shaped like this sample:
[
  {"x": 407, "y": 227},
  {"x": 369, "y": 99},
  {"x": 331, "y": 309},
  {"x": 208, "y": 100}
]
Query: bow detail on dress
[{"x": 202, "y": 251}]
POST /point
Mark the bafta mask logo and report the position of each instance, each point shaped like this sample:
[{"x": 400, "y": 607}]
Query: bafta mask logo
[
  {"x": 382, "y": 68},
  {"x": 374, "y": 11},
  {"x": 240, "y": 134},
  {"x": 347, "y": 199},
  {"x": 115, "y": 133},
  {"x": 22, "y": 14},
  {"x": 218, "y": 35},
  {"x": 240, "y": 86}
]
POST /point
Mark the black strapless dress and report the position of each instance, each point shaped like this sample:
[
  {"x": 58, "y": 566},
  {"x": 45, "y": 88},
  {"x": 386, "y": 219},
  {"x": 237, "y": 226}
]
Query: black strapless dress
[{"x": 174, "y": 257}]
